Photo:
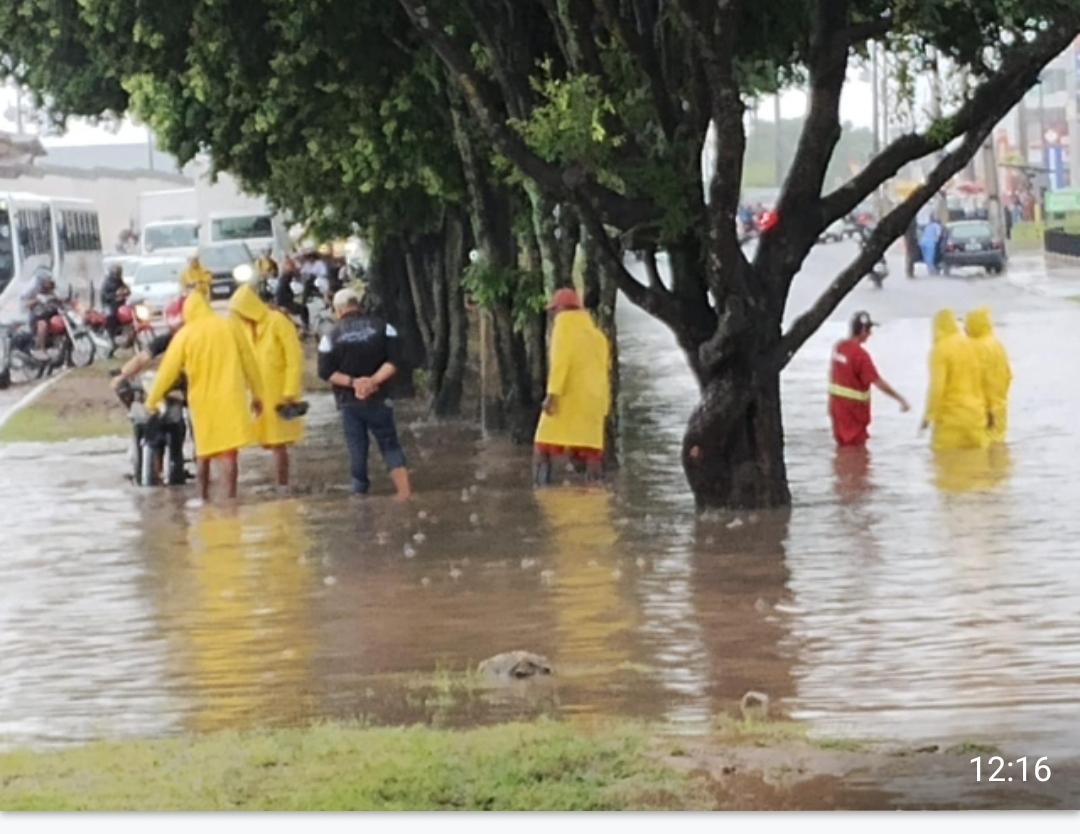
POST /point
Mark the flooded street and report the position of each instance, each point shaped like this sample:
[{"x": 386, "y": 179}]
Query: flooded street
[{"x": 904, "y": 597}]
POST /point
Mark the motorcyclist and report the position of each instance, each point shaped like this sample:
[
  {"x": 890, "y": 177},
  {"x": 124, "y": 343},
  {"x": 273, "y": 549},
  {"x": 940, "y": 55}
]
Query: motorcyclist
[
  {"x": 41, "y": 304},
  {"x": 174, "y": 320},
  {"x": 285, "y": 296},
  {"x": 114, "y": 294}
]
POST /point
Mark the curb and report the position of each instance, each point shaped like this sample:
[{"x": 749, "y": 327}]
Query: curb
[{"x": 31, "y": 396}]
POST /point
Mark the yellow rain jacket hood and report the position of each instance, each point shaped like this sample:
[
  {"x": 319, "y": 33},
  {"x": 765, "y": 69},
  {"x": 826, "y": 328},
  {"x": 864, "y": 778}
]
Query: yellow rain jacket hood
[
  {"x": 196, "y": 279},
  {"x": 956, "y": 404},
  {"x": 579, "y": 380},
  {"x": 997, "y": 374},
  {"x": 280, "y": 358},
  {"x": 221, "y": 371}
]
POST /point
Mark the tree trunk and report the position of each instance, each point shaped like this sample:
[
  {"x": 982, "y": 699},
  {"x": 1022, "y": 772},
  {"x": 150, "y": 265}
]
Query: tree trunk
[
  {"x": 389, "y": 297},
  {"x": 448, "y": 394},
  {"x": 733, "y": 449},
  {"x": 423, "y": 262},
  {"x": 546, "y": 229},
  {"x": 601, "y": 295}
]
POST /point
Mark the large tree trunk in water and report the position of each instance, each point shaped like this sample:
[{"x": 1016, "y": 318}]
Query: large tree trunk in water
[
  {"x": 450, "y": 384},
  {"x": 733, "y": 450},
  {"x": 389, "y": 296},
  {"x": 601, "y": 294}
]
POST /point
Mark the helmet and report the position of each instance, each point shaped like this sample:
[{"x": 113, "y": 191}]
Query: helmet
[
  {"x": 115, "y": 271},
  {"x": 43, "y": 274},
  {"x": 174, "y": 314}
]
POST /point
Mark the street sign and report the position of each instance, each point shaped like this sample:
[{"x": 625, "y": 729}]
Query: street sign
[{"x": 1063, "y": 200}]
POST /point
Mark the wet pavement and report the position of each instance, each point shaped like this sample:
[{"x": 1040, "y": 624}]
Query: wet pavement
[{"x": 903, "y": 598}]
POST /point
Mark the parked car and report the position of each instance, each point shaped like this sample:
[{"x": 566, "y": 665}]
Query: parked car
[
  {"x": 973, "y": 243},
  {"x": 220, "y": 259},
  {"x": 156, "y": 282}
]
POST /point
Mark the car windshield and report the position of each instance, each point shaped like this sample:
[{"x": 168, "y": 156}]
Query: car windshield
[
  {"x": 240, "y": 228},
  {"x": 969, "y": 231},
  {"x": 224, "y": 258},
  {"x": 158, "y": 273},
  {"x": 171, "y": 237}
]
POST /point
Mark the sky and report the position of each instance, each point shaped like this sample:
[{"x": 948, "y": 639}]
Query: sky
[{"x": 855, "y": 107}]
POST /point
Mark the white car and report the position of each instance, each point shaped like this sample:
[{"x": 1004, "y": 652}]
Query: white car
[{"x": 157, "y": 282}]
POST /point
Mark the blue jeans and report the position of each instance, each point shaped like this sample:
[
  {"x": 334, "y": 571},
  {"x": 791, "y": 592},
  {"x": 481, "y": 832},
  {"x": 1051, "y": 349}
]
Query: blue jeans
[{"x": 358, "y": 417}]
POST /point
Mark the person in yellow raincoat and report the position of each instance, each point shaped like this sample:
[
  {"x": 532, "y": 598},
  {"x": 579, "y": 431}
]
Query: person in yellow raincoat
[
  {"x": 281, "y": 366},
  {"x": 956, "y": 404},
  {"x": 221, "y": 369},
  {"x": 997, "y": 374},
  {"x": 578, "y": 390},
  {"x": 196, "y": 278}
]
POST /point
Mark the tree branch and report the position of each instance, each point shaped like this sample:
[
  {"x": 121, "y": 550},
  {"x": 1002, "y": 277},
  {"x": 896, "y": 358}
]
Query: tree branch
[
  {"x": 649, "y": 257},
  {"x": 1018, "y": 73},
  {"x": 888, "y": 230},
  {"x": 870, "y": 30},
  {"x": 614, "y": 209},
  {"x": 639, "y": 45},
  {"x": 656, "y": 302}
]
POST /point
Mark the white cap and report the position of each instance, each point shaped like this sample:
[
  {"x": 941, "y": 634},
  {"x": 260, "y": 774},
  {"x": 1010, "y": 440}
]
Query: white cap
[
  {"x": 346, "y": 298},
  {"x": 243, "y": 274}
]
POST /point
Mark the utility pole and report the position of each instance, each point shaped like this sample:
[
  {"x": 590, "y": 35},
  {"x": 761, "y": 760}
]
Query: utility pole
[
  {"x": 778, "y": 139},
  {"x": 18, "y": 109},
  {"x": 993, "y": 189}
]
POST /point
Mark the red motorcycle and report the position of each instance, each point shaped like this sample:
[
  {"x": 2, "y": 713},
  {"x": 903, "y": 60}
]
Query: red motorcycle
[{"x": 135, "y": 330}]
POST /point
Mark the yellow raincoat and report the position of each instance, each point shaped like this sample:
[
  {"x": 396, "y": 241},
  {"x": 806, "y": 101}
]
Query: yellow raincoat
[
  {"x": 281, "y": 364},
  {"x": 221, "y": 369},
  {"x": 997, "y": 375},
  {"x": 196, "y": 278},
  {"x": 956, "y": 404},
  {"x": 578, "y": 378}
]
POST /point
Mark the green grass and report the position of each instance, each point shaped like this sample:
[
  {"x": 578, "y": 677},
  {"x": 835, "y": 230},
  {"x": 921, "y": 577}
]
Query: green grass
[
  {"x": 544, "y": 765},
  {"x": 39, "y": 423}
]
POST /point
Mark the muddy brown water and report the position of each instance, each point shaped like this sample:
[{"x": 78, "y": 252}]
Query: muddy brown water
[{"x": 904, "y": 598}]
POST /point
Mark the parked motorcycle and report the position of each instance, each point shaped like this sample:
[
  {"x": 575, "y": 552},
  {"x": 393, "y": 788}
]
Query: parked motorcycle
[{"x": 157, "y": 439}]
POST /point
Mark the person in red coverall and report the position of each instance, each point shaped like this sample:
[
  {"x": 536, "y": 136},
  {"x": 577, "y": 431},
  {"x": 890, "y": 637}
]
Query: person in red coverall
[{"x": 850, "y": 378}]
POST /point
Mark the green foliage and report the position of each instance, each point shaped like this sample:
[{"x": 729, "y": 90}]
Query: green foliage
[{"x": 490, "y": 284}]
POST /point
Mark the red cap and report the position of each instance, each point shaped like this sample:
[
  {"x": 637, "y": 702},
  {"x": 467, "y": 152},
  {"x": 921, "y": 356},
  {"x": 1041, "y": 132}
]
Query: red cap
[{"x": 565, "y": 299}]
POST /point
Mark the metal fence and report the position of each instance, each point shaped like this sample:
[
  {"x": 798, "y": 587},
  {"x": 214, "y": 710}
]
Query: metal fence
[{"x": 1059, "y": 242}]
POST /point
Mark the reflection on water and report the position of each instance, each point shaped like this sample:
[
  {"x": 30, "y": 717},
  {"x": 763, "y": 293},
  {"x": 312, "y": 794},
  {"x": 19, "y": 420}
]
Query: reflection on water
[{"x": 907, "y": 595}]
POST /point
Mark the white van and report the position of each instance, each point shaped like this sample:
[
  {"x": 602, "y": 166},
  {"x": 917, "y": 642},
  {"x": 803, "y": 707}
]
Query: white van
[{"x": 258, "y": 230}]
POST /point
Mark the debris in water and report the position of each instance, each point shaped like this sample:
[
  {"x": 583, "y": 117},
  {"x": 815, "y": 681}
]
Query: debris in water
[
  {"x": 474, "y": 520},
  {"x": 640, "y": 562},
  {"x": 410, "y": 551},
  {"x": 750, "y": 699},
  {"x": 425, "y": 581},
  {"x": 526, "y": 564},
  {"x": 419, "y": 538},
  {"x": 330, "y": 580},
  {"x": 547, "y": 576},
  {"x": 455, "y": 574},
  {"x": 734, "y": 523},
  {"x": 422, "y": 515},
  {"x": 515, "y": 665}
]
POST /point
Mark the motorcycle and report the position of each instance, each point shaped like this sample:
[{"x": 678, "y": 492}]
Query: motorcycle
[
  {"x": 157, "y": 456},
  {"x": 136, "y": 331},
  {"x": 68, "y": 343},
  {"x": 880, "y": 271}
]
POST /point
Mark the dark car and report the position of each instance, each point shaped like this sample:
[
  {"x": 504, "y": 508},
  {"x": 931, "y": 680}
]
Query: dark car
[
  {"x": 220, "y": 259},
  {"x": 973, "y": 243}
]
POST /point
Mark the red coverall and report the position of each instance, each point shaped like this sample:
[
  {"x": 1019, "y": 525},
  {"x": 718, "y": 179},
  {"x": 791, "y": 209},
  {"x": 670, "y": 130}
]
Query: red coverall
[{"x": 852, "y": 374}]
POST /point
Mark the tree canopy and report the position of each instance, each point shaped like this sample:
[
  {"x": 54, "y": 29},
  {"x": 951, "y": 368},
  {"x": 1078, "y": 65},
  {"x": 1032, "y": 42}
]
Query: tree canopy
[{"x": 389, "y": 114}]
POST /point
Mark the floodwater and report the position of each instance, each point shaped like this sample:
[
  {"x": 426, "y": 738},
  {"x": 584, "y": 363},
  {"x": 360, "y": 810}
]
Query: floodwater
[{"x": 903, "y": 598}]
